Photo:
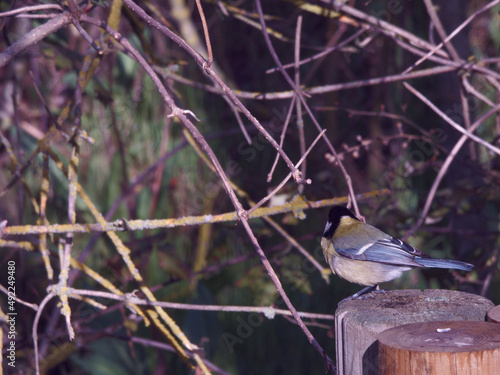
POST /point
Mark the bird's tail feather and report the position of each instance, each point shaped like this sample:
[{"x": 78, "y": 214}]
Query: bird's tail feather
[{"x": 444, "y": 263}]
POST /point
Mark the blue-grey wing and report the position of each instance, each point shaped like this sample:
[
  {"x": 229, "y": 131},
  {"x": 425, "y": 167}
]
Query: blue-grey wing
[{"x": 388, "y": 250}]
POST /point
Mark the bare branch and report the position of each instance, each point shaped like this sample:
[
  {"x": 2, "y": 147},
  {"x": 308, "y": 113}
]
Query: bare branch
[
  {"x": 33, "y": 37},
  {"x": 32, "y": 8},
  {"x": 450, "y": 121}
]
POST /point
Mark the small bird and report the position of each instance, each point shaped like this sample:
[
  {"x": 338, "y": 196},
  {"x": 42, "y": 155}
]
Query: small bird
[{"x": 363, "y": 254}]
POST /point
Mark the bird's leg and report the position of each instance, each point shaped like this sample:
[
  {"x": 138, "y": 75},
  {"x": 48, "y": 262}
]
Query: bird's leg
[
  {"x": 366, "y": 290},
  {"x": 361, "y": 293}
]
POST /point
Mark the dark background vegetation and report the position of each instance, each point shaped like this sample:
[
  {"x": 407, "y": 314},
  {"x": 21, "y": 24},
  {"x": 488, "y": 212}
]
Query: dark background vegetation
[{"x": 387, "y": 139}]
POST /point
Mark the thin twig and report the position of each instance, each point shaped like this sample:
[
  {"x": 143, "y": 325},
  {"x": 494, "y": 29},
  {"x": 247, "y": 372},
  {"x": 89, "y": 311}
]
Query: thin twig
[
  {"x": 322, "y": 53},
  {"x": 205, "y": 31},
  {"x": 325, "y": 89},
  {"x": 340, "y": 6},
  {"x": 32, "y": 8},
  {"x": 37, "y": 16},
  {"x": 440, "y": 29},
  {"x": 268, "y": 311},
  {"x": 87, "y": 37},
  {"x": 444, "y": 169},
  {"x": 47, "y": 298},
  {"x": 471, "y": 90},
  {"x": 381, "y": 80},
  {"x": 466, "y": 118},
  {"x": 455, "y": 32},
  {"x": 450, "y": 121},
  {"x": 238, "y": 119},
  {"x": 299, "y": 119},
  {"x": 32, "y": 306},
  {"x": 285, "y": 180},
  {"x": 282, "y": 137}
]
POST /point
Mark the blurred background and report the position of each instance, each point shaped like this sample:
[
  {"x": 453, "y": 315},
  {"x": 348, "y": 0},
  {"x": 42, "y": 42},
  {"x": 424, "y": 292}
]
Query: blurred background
[{"x": 142, "y": 166}]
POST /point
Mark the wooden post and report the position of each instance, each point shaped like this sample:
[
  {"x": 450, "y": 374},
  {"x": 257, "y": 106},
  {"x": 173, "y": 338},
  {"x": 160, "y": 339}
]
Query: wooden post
[
  {"x": 358, "y": 322},
  {"x": 494, "y": 315},
  {"x": 440, "y": 348}
]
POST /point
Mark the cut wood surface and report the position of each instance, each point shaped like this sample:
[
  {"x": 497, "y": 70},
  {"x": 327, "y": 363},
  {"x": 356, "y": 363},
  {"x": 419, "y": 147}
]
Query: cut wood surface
[
  {"x": 440, "y": 348},
  {"x": 359, "y": 322},
  {"x": 493, "y": 315}
]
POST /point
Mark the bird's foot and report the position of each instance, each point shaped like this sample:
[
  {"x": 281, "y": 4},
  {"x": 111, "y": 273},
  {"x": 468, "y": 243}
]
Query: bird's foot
[{"x": 363, "y": 294}]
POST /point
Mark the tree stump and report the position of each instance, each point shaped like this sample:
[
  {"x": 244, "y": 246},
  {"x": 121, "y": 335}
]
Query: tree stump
[
  {"x": 440, "y": 348},
  {"x": 358, "y": 322}
]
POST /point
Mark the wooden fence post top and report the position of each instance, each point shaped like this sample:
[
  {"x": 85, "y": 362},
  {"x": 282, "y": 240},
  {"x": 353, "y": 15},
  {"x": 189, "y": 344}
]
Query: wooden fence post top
[
  {"x": 397, "y": 307},
  {"x": 440, "y": 348},
  {"x": 358, "y": 322},
  {"x": 450, "y": 337},
  {"x": 494, "y": 315}
]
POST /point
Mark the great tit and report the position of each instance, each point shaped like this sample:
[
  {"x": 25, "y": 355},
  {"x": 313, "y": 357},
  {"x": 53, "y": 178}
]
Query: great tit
[{"x": 364, "y": 255}]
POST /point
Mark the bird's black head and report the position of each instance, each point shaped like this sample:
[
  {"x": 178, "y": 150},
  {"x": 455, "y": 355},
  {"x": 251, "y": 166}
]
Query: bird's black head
[{"x": 336, "y": 213}]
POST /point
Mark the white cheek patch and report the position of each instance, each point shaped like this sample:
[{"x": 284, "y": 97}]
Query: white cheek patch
[{"x": 327, "y": 227}]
